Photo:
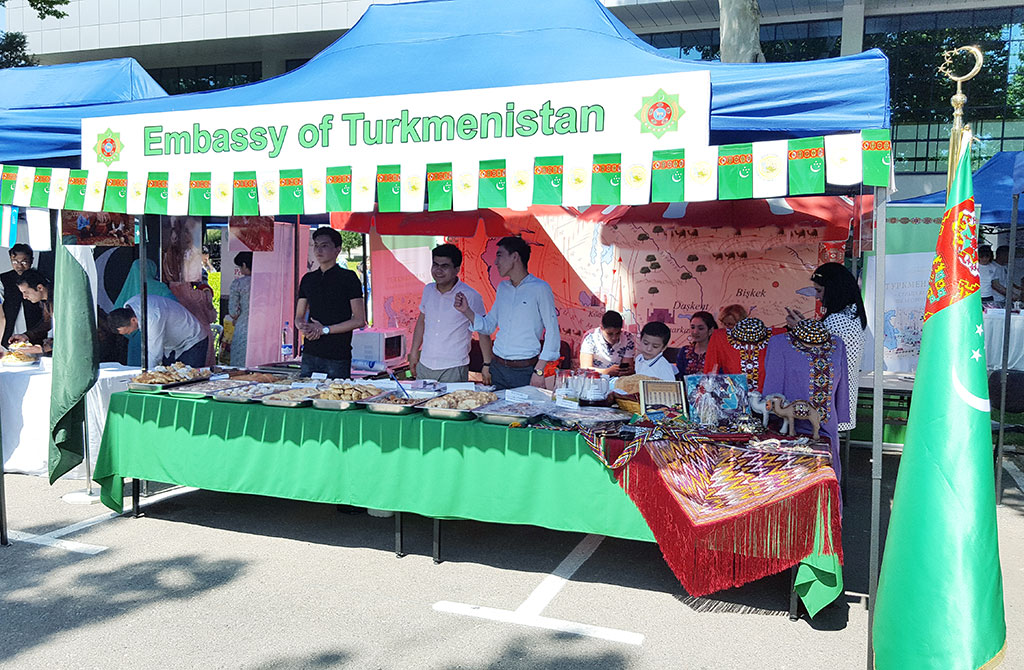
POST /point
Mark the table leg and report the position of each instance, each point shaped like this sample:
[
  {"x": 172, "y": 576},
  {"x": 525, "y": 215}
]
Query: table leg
[
  {"x": 399, "y": 550},
  {"x": 794, "y": 604},
  {"x": 437, "y": 541},
  {"x": 845, "y": 459},
  {"x": 136, "y": 490}
]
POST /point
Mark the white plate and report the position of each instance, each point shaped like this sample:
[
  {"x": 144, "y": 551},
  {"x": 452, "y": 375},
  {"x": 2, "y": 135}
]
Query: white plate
[{"x": 19, "y": 364}]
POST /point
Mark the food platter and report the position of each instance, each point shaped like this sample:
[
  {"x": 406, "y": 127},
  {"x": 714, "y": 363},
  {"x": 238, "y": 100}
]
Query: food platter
[
  {"x": 458, "y": 405},
  {"x": 249, "y": 393},
  {"x": 506, "y": 413},
  {"x": 204, "y": 389},
  {"x": 14, "y": 363},
  {"x": 293, "y": 397},
  {"x": 336, "y": 405},
  {"x": 139, "y": 387},
  {"x": 394, "y": 402}
]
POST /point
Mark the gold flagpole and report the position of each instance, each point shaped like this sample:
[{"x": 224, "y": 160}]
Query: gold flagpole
[{"x": 958, "y": 101}]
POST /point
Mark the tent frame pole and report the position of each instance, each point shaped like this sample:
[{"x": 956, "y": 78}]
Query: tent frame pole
[
  {"x": 1010, "y": 263},
  {"x": 144, "y": 300},
  {"x": 4, "y": 541},
  {"x": 876, "y": 415}
]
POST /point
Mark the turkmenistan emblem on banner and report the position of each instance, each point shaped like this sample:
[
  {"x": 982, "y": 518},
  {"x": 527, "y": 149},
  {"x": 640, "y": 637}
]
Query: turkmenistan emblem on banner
[
  {"x": 108, "y": 147},
  {"x": 660, "y": 113}
]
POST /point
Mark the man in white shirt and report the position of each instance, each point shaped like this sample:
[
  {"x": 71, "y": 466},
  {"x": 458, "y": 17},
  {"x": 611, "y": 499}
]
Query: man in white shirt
[
  {"x": 173, "y": 333},
  {"x": 443, "y": 335},
  {"x": 524, "y": 314}
]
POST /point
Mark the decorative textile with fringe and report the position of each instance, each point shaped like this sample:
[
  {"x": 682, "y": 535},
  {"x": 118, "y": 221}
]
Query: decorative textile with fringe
[{"x": 725, "y": 516}]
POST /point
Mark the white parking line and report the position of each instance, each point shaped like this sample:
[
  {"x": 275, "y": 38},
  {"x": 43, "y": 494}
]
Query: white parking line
[
  {"x": 540, "y": 622},
  {"x": 49, "y": 541},
  {"x": 52, "y": 539},
  {"x": 528, "y": 614}
]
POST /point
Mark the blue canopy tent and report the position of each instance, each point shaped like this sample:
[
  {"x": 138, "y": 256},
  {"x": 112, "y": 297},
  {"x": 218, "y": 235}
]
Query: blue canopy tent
[
  {"x": 447, "y": 45},
  {"x": 41, "y": 108},
  {"x": 993, "y": 189}
]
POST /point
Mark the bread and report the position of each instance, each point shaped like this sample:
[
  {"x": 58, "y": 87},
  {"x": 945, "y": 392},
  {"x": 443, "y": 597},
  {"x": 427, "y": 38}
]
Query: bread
[
  {"x": 462, "y": 400},
  {"x": 630, "y": 385}
]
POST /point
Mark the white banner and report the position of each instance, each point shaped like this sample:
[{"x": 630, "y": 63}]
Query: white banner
[{"x": 613, "y": 115}]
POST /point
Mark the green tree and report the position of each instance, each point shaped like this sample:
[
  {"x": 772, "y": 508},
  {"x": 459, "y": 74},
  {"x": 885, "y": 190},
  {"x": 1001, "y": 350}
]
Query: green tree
[
  {"x": 13, "y": 52},
  {"x": 350, "y": 240},
  {"x": 46, "y": 8}
]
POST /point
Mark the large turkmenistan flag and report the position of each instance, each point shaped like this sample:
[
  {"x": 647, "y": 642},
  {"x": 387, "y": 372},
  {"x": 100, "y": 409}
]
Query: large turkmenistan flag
[
  {"x": 940, "y": 595},
  {"x": 75, "y": 355}
]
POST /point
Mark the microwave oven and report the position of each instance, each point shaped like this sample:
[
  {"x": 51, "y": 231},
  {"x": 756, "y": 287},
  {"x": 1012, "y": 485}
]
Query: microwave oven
[{"x": 379, "y": 344}]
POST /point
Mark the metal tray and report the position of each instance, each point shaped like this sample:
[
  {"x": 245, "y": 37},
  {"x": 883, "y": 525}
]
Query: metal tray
[
  {"x": 235, "y": 398},
  {"x": 198, "y": 395},
  {"x": 374, "y": 405},
  {"x": 502, "y": 419},
  {"x": 337, "y": 405},
  {"x": 496, "y": 413},
  {"x": 156, "y": 388},
  {"x": 449, "y": 414},
  {"x": 286, "y": 403}
]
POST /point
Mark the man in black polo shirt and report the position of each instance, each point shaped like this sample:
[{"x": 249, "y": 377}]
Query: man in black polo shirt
[
  {"x": 332, "y": 297},
  {"x": 18, "y": 315}
]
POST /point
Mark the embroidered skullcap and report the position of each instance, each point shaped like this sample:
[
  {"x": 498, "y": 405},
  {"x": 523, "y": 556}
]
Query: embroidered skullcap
[
  {"x": 750, "y": 330},
  {"x": 811, "y": 332}
]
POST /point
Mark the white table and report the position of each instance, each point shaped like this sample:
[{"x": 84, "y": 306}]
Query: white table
[
  {"x": 994, "y": 340},
  {"x": 25, "y": 415}
]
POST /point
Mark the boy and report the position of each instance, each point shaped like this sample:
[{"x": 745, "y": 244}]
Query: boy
[{"x": 650, "y": 360}]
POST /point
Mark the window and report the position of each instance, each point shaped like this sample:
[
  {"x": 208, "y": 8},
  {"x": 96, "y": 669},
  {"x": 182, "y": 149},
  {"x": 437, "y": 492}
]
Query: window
[
  {"x": 781, "y": 42},
  {"x": 192, "y": 78}
]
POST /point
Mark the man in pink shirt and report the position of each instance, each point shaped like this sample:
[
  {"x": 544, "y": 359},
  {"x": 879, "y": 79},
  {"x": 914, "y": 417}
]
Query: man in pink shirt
[{"x": 443, "y": 335}]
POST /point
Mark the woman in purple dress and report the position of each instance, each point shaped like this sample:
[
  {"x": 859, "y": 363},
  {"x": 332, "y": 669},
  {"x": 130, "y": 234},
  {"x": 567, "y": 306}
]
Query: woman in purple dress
[{"x": 690, "y": 359}]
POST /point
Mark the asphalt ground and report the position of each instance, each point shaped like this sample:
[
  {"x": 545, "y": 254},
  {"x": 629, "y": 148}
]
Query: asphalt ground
[{"x": 215, "y": 580}]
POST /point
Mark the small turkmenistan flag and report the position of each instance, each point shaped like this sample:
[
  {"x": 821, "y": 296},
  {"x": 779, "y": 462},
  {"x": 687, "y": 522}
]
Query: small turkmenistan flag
[
  {"x": 78, "y": 182},
  {"x": 491, "y": 193},
  {"x": 23, "y": 186},
  {"x": 156, "y": 193},
  {"x": 439, "y": 187},
  {"x": 339, "y": 189},
  {"x": 199, "y": 194},
  {"x": 736, "y": 171},
  {"x": 58, "y": 187},
  {"x": 41, "y": 188},
  {"x": 701, "y": 174},
  {"x": 115, "y": 198},
  {"x": 246, "y": 202},
  {"x": 606, "y": 182},
  {"x": 843, "y": 159},
  {"x": 667, "y": 176},
  {"x": 547, "y": 180},
  {"x": 291, "y": 196},
  {"x": 877, "y": 158},
  {"x": 389, "y": 188},
  {"x": 770, "y": 169},
  {"x": 806, "y": 166},
  {"x": 75, "y": 355},
  {"x": 414, "y": 188},
  {"x": 940, "y": 594},
  {"x": 8, "y": 184}
]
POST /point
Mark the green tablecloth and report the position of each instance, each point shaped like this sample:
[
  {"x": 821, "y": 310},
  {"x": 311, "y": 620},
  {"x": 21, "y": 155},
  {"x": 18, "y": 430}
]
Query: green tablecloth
[{"x": 440, "y": 469}]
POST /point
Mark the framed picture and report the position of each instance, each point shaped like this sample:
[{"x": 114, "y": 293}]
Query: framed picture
[
  {"x": 656, "y": 396},
  {"x": 713, "y": 398},
  {"x": 101, "y": 229}
]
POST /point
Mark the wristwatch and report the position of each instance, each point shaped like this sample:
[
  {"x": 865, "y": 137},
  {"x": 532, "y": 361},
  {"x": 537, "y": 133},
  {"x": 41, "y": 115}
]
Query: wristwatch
[{"x": 326, "y": 330}]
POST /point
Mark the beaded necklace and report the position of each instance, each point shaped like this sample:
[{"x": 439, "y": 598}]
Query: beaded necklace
[
  {"x": 749, "y": 337},
  {"x": 816, "y": 343}
]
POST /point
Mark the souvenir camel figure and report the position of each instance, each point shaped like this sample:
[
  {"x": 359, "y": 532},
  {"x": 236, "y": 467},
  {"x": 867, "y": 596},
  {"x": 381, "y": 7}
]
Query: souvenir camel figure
[
  {"x": 790, "y": 412},
  {"x": 757, "y": 405}
]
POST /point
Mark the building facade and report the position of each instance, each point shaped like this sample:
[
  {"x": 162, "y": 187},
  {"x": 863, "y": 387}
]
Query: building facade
[{"x": 192, "y": 45}]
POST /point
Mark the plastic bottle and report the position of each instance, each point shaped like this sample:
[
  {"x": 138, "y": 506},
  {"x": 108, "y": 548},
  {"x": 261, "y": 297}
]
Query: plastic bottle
[{"x": 286, "y": 346}]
